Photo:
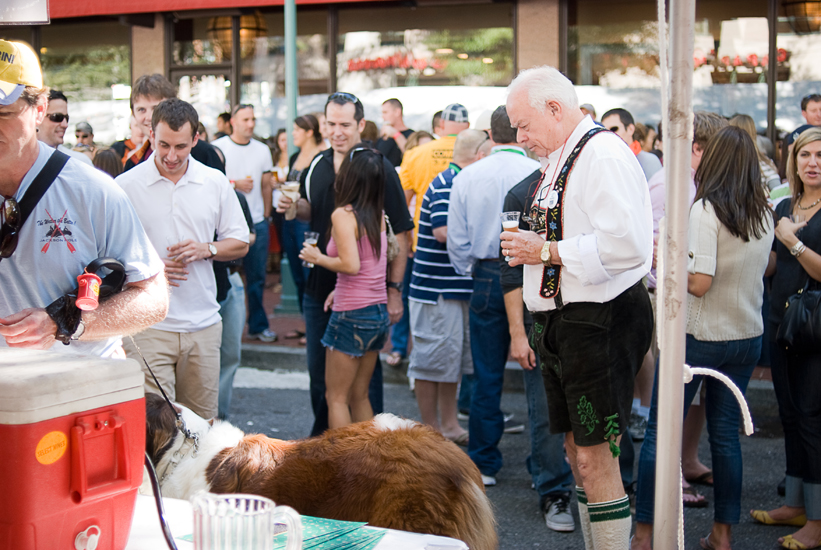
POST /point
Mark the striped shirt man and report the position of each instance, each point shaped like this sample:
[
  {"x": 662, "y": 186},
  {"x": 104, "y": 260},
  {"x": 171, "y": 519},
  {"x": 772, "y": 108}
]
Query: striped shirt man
[{"x": 433, "y": 274}]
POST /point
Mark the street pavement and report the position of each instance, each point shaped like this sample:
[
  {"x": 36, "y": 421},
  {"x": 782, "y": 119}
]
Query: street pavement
[{"x": 276, "y": 403}]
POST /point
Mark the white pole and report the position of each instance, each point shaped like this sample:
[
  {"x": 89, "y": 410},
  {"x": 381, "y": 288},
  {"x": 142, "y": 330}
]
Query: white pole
[{"x": 678, "y": 138}]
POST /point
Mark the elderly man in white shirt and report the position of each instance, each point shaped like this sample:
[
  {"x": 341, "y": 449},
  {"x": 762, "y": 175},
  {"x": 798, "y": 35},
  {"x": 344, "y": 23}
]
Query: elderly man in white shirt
[
  {"x": 476, "y": 201},
  {"x": 591, "y": 246},
  {"x": 183, "y": 204}
]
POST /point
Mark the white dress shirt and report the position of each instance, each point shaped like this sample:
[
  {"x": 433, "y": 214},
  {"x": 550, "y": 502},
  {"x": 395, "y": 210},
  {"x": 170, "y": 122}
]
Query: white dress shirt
[
  {"x": 607, "y": 243},
  {"x": 202, "y": 202},
  {"x": 476, "y": 201}
]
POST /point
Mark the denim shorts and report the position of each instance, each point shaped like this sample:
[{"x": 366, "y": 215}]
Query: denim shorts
[{"x": 357, "y": 331}]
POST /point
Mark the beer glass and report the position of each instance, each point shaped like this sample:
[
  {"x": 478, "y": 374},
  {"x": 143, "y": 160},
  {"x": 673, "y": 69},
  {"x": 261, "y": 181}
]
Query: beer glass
[
  {"x": 311, "y": 238},
  {"x": 510, "y": 222}
]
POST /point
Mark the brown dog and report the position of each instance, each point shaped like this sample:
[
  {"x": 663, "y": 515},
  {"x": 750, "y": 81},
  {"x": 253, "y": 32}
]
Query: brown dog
[{"x": 389, "y": 472}]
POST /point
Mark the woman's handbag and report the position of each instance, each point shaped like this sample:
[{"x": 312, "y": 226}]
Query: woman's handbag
[
  {"x": 393, "y": 244},
  {"x": 800, "y": 330}
]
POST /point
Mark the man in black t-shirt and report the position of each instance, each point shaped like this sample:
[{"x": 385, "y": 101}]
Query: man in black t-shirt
[
  {"x": 344, "y": 121},
  {"x": 393, "y": 134}
]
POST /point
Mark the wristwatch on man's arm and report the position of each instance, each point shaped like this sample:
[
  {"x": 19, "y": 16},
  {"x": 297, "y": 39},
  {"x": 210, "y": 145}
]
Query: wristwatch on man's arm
[
  {"x": 544, "y": 255},
  {"x": 396, "y": 286}
]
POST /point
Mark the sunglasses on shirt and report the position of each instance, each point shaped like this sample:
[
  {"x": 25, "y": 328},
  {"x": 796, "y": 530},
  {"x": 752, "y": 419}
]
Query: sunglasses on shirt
[
  {"x": 9, "y": 227},
  {"x": 57, "y": 118}
]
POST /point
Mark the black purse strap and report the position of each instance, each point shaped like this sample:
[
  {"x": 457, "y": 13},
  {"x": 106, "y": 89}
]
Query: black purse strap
[{"x": 41, "y": 184}]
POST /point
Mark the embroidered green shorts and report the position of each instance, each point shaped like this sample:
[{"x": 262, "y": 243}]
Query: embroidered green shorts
[{"x": 590, "y": 354}]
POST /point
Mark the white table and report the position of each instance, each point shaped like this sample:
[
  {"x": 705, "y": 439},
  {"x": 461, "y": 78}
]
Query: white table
[{"x": 146, "y": 533}]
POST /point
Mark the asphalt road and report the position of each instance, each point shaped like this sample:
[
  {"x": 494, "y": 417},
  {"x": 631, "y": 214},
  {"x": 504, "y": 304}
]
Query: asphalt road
[{"x": 278, "y": 405}]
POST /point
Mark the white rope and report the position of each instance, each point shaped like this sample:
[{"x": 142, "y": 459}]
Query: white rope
[{"x": 689, "y": 372}]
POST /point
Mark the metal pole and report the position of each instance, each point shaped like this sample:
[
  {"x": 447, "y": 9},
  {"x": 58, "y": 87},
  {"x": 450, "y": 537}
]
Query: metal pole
[
  {"x": 772, "y": 69},
  {"x": 291, "y": 79},
  {"x": 672, "y": 312}
]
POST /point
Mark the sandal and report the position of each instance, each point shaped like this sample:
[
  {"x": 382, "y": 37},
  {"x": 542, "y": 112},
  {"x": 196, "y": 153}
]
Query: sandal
[
  {"x": 763, "y": 516},
  {"x": 296, "y": 333},
  {"x": 704, "y": 479},
  {"x": 706, "y": 544},
  {"x": 394, "y": 358},
  {"x": 461, "y": 439},
  {"x": 794, "y": 544},
  {"x": 699, "y": 502}
]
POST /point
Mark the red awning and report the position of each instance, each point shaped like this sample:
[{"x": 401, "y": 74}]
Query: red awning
[{"x": 60, "y": 9}]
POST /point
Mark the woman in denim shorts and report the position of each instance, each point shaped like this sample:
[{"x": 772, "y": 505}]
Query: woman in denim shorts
[{"x": 357, "y": 252}]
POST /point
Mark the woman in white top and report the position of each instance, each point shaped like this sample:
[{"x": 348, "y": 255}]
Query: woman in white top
[{"x": 731, "y": 232}]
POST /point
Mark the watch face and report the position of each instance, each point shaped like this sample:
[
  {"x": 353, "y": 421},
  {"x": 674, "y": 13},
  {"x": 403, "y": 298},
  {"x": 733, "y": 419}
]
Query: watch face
[{"x": 212, "y": 249}]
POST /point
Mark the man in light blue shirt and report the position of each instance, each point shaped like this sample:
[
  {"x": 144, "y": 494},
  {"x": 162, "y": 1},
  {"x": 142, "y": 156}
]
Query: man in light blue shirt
[{"x": 473, "y": 247}]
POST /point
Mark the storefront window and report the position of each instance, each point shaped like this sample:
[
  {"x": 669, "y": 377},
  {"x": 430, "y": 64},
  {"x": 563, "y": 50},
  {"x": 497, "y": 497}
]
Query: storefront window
[{"x": 425, "y": 46}]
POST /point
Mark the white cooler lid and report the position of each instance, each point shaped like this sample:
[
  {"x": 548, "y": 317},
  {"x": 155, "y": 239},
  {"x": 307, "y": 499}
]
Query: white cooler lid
[{"x": 41, "y": 385}]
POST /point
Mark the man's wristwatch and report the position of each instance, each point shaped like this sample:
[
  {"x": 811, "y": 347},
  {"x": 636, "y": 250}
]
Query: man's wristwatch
[
  {"x": 212, "y": 249},
  {"x": 397, "y": 286},
  {"x": 544, "y": 255}
]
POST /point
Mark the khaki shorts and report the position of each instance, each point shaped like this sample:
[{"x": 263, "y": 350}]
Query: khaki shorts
[
  {"x": 441, "y": 341},
  {"x": 187, "y": 365}
]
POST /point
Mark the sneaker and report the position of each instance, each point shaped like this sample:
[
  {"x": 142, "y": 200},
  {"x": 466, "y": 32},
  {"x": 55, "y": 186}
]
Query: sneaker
[
  {"x": 638, "y": 425},
  {"x": 489, "y": 481},
  {"x": 463, "y": 414},
  {"x": 266, "y": 336},
  {"x": 513, "y": 426},
  {"x": 557, "y": 514}
]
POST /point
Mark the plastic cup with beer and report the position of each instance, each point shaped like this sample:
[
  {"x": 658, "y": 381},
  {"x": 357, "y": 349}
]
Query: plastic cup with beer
[
  {"x": 510, "y": 222},
  {"x": 311, "y": 238}
]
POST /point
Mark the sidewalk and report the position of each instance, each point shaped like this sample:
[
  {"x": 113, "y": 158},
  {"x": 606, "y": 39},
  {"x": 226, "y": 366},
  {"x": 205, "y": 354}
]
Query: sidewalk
[{"x": 289, "y": 355}]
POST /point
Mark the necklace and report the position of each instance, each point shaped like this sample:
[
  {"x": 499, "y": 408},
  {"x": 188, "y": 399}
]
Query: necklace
[{"x": 807, "y": 207}]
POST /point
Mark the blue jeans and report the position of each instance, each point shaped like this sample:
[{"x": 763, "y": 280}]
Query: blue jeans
[
  {"x": 736, "y": 359},
  {"x": 546, "y": 464},
  {"x": 400, "y": 333},
  {"x": 232, "y": 310},
  {"x": 489, "y": 344},
  {"x": 465, "y": 392},
  {"x": 796, "y": 379},
  {"x": 254, "y": 265},
  {"x": 316, "y": 322},
  {"x": 293, "y": 234}
]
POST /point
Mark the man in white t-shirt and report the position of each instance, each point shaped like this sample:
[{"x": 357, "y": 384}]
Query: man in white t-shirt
[
  {"x": 81, "y": 217},
  {"x": 249, "y": 166},
  {"x": 183, "y": 204},
  {"x": 52, "y": 130}
]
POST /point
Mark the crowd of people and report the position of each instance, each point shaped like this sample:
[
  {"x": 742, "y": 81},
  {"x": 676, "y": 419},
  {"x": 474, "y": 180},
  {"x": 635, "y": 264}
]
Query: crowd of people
[{"x": 391, "y": 226}]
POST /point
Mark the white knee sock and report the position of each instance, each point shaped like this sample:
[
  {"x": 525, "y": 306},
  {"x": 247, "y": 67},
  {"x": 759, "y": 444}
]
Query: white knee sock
[
  {"x": 584, "y": 516},
  {"x": 610, "y": 524}
]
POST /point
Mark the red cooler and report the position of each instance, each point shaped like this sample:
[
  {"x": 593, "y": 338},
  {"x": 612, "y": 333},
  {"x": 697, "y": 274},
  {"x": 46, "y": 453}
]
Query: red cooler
[{"x": 72, "y": 442}]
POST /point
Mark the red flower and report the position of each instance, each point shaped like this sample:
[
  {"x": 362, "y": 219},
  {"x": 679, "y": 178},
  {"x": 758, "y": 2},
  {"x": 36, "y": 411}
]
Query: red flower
[
  {"x": 765, "y": 60},
  {"x": 725, "y": 60},
  {"x": 752, "y": 59},
  {"x": 782, "y": 55},
  {"x": 737, "y": 61}
]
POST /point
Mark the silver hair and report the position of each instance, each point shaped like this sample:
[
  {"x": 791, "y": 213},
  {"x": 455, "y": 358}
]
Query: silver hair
[{"x": 545, "y": 84}]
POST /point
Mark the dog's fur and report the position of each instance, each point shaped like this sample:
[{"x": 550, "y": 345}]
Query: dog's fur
[{"x": 389, "y": 472}]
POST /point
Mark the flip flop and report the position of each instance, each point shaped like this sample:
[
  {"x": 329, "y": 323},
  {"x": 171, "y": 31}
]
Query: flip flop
[
  {"x": 296, "y": 333},
  {"x": 700, "y": 501},
  {"x": 706, "y": 544},
  {"x": 461, "y": 439},
  {"x": 704, "y": 479}
]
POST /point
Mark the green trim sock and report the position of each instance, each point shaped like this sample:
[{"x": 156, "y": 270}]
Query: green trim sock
[
  {"x": 584, "y": 518},
  {"x": 610, "y": 524}
]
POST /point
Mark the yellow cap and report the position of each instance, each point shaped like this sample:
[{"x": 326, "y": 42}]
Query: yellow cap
[{"x": 19, "y": 67}]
